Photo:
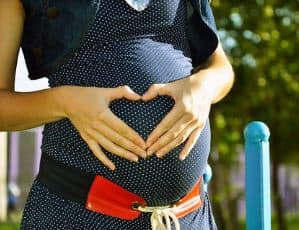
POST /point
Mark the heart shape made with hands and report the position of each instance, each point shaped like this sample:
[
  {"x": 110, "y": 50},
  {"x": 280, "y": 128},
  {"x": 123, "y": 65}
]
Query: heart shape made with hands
[{"x": 154, "y": 103}]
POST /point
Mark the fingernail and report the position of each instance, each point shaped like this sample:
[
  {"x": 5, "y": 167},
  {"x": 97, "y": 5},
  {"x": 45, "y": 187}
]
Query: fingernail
[
  {"x": 159, "y": 155},
  {"x": 144, "y": 154},
  {"x": 135, "y": 159},
  {"x": 149, "y": 151},
  {"x": 112, "y": 167}
]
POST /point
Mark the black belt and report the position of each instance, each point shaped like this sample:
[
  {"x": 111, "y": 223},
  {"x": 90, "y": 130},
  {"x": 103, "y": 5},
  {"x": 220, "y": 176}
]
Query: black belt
[
  {"x": 67, "y": 181},
  {"x": 70, "y": 182}
]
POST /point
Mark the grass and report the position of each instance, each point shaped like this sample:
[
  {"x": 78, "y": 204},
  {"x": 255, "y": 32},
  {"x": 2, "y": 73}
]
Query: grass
[
  {"x": 9, "y": 226},
  {"x": 292, "y": 223}
]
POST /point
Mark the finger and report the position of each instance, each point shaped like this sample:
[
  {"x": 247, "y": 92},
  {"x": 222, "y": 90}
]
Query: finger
[
  {"x": 177, "y": 141},
  {"x": 190, "y": 143},
  {"x": 97, "y": 151},
  {"x": 171, "y": 134},
  {"x": 166, "y": 123},
  {"x": 121, "y": 127},
  {"x": 119, "y": 140},
  {"x": 123, "y": 91},
  {"x": 153, "y": 91},
  {"x": 113, "y": 148}
]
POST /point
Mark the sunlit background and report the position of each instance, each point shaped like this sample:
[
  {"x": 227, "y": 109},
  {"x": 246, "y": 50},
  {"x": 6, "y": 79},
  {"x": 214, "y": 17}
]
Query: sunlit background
[{"x": 261, "y": 38}]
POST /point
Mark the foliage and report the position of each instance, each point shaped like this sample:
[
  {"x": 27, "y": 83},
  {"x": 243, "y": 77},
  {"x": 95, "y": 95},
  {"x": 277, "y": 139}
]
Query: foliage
[
  {"x": 261, "y": 37},
  {"x": 9, "y": 226}
]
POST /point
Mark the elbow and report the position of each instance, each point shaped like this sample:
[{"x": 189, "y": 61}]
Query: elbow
[{"x": 230, "y": 74}]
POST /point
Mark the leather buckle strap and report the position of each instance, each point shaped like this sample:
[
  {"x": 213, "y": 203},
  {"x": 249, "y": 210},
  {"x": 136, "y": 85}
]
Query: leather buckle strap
[
  {"x": 108, "y": 198},
  {"x": 190, "y": 202},
  {"x": 101, "y": 195}
]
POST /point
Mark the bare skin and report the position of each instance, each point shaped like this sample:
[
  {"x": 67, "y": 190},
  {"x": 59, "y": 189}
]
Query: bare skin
[
  {"x": 193, "y": 97},
  {"x": 87, "y": 107}
]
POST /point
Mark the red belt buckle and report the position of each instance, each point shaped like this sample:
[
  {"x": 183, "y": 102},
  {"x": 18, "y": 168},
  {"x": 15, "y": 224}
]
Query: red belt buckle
[{"x": 108, "y": 198}]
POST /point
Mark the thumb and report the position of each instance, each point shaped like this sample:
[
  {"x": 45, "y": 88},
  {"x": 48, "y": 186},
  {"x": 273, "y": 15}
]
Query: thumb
[
  {"x": 126, "y": 92},
  {"x": 153, "y": 91}
]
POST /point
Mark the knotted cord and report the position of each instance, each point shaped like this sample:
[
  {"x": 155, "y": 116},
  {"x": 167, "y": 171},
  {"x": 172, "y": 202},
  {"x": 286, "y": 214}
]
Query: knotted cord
[{"x": 160, "y": 213}]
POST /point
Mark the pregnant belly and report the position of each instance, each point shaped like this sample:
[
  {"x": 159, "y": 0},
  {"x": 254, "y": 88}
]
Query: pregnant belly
[{"x": 159, "y": 181}]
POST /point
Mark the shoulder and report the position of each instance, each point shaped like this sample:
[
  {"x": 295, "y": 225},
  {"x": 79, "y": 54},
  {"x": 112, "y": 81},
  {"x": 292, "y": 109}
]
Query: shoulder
[{"x": 12, "y": 7}]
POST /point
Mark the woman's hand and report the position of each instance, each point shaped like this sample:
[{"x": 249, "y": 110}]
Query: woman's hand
[
  {"x": 187, "y": 117},
  {"x": 87, "y": 108},
  {"x": 193, "y": 97}
]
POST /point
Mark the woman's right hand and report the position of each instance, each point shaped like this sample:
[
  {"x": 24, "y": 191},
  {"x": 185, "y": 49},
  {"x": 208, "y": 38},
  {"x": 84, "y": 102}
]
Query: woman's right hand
[{"x": 87, "y": 108}]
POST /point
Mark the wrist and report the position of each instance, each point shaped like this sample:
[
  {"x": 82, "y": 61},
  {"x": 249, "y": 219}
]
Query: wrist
[
  {"x": 216, "y": 81},
  {"x": 59, "y": 96},
  {"x": 204, "y": 83}
]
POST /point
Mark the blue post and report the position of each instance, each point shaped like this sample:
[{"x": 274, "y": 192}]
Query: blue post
[
  {"x": 207, "y": 176},
  {"x": 258, "y": 200}
]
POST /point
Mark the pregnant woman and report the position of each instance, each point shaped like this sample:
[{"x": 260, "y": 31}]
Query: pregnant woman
[{"x": 126, "y": 130}]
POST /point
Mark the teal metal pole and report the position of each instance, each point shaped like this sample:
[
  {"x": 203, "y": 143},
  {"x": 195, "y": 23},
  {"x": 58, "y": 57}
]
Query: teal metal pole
[
  {"x": 207, "y": 176},
  {"x": 257, "y": 164}
]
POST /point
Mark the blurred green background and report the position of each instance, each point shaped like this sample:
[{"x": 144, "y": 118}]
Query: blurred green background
[{"x": 261, "y": 37}]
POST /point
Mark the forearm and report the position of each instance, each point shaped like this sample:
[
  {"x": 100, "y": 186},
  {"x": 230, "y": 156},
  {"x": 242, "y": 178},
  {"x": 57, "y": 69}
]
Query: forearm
[
  {"x": 216, "y": 74},
  {"x": 25, "y": 110}
]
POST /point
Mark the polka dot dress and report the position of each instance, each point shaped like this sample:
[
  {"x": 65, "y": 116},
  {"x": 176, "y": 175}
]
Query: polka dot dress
[{"x": 125, "y": 47}]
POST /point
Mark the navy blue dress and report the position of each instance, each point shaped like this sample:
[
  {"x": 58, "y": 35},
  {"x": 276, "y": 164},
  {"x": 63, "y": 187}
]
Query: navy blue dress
[{"x": 125, "y": 47}]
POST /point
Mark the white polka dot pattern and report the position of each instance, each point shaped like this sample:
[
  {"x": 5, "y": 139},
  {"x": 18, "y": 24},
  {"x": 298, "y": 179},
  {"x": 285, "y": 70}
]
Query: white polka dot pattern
[
  {"x": 45, "y": 210},
  {"x": 125, "y": 47}
]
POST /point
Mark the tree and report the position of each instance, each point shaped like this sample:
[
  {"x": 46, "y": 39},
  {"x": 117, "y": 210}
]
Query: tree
[{"x": 262, "y": 39}]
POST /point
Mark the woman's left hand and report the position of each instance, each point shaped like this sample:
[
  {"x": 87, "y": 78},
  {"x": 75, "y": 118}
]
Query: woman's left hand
[{"x": 193, "y": 99}]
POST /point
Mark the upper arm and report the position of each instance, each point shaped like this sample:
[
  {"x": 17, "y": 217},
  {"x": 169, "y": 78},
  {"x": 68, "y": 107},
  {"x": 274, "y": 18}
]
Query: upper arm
[
  {"x": 12, "y": 16},
  {"x": 218, "y": 56}
]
